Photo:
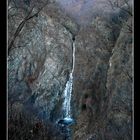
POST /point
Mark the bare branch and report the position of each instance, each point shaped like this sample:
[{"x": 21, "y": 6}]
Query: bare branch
[
  {"x": 21, "y": 25},
  {"x": 115, "y": 4},
  {"x": 18, "y": 30}
]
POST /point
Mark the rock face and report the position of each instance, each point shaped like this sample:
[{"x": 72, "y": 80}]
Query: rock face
[
  {"x": 104, "y": 99},
  {"x": 39, "y": 69},
  {"x": 119, "y": 88},
  {"x": 40, "y": 62}
]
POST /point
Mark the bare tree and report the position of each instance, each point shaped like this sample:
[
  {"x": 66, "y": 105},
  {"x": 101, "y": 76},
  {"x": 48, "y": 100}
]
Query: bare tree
[
  {"x": 122, "y": 12},
  {"x": 28, "y": 8},
  {"x": 123, "y": 5}
]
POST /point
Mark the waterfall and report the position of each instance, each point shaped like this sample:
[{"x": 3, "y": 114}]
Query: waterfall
[{"x": 68, "y": 89}]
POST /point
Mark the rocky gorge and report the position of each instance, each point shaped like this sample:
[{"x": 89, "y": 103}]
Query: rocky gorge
[{"x": 70, "y": 59}]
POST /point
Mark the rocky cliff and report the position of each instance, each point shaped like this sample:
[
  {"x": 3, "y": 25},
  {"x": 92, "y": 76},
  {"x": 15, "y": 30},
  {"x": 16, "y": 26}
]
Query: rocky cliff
[
  {"x": 40, "y": 61},
  {"x": 38, "y": 70},
  {"x": 104, "y": 99}
]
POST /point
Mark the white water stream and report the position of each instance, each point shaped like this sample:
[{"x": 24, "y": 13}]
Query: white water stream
[{"x": 68, "y": 89}]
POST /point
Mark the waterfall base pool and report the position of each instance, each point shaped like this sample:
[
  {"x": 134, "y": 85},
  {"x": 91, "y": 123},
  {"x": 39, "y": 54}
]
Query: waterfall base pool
[
  {"x": 64, "y": 127},
  {"x": 66, "y": 121}
]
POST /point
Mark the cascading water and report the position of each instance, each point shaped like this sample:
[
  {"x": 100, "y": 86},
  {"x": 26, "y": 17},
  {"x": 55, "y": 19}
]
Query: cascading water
[
  {"x": 67, "y": 118},
  {"x": 68, "y": 90}
]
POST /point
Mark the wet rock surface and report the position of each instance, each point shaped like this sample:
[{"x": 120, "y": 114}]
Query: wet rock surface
[{"x": 40, "y": 62}]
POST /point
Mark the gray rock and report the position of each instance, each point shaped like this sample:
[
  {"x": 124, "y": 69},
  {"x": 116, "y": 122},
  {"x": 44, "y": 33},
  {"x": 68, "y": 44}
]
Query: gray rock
[
  {"x": 41, "y": 65},
  {"x": 103, "y": 85}
]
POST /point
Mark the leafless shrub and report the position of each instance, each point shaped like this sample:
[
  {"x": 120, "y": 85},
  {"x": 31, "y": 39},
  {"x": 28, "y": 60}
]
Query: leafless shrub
[
  {"x": 24, "y": 126},
  {"x": 24, "y": 10},
  {"x": 123, "y": 5},
  {"x": 125, "y": 11}
]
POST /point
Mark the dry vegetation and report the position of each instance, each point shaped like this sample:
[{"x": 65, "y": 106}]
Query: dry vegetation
[{"x": 24, "y": 126}]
